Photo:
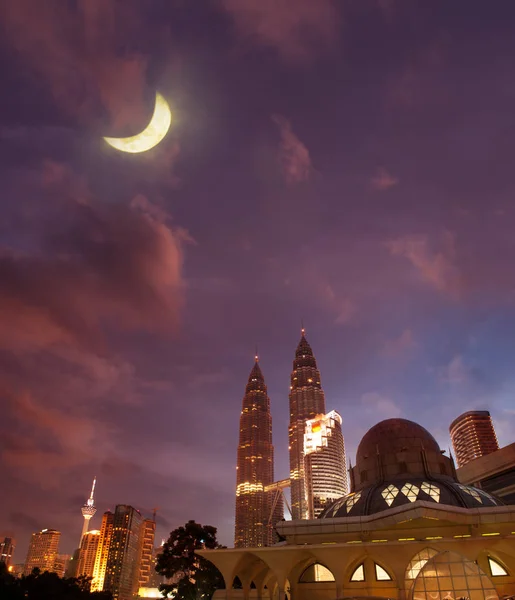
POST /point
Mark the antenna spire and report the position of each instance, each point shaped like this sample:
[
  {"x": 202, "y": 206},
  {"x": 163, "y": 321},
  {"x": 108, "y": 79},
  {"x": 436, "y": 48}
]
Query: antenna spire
[
  {"x": 302, "y": 330},
  {"x": 91, "y": 501},
  {"x": 256, "y": 355}
]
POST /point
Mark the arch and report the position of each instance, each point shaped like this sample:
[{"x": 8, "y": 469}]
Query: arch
[
  {"x": 316, "y": 573},
  {"x": 252, "y": 585},
  {"x": 451, "y": 573},
  {"x": 236, "y": 583},
  {"x": 416, "y": 564}
]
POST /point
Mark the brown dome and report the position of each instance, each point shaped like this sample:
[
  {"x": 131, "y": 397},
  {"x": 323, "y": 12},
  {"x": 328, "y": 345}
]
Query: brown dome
[{"x": 395, "y": 435}]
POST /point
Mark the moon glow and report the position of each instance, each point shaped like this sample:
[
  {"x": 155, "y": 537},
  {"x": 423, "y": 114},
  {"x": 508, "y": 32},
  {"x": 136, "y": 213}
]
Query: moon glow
[{"x": 151, "y": 135}]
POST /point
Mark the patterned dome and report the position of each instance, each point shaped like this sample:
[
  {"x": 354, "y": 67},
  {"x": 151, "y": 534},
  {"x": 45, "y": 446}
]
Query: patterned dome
[{"x": 379, "y": 497}]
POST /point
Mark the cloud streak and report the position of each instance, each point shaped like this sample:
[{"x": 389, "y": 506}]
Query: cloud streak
[
  {"x": 293, "y": 156},
  {"x": 298, "y": 30}
]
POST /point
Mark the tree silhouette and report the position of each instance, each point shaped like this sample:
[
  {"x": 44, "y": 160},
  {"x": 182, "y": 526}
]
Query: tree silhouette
[
  {"x": 46, "y": 586},
  {"x": 190, "y": 577}
]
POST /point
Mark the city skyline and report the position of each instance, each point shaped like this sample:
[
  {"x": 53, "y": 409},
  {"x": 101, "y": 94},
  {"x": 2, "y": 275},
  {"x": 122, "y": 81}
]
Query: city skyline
[{"x": 358, "y": 176}]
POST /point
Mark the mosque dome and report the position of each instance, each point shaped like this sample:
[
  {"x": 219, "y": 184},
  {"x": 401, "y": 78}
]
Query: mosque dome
[{"x": 399, "y": 462}]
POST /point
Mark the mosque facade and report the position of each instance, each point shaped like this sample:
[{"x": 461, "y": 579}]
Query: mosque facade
[{"x": 408, "y": 530}]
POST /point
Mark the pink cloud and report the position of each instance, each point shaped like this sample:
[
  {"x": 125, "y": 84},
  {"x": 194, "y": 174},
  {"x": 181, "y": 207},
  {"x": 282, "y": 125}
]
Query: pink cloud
[
  {"x": 401, "y": 345},
  {"x": 383, "y": 180},
  {"x": 297, "y": 29},
  {"x": 75, "y": 48},
  {"x": 381, "y": 406},
  {"x": 436, "y": 267},
  {"x": 293, "y": 156}
]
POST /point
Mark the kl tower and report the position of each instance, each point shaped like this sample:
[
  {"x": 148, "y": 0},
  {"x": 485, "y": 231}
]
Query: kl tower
[{"x": 88, "y": 510}]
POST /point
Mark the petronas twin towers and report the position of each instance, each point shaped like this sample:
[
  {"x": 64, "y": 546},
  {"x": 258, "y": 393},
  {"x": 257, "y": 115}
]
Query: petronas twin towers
[{"x": 258, "y": 508}]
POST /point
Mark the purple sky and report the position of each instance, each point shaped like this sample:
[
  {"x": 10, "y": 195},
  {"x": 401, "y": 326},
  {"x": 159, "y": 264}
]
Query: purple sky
[{"x": 349, "y": 163}]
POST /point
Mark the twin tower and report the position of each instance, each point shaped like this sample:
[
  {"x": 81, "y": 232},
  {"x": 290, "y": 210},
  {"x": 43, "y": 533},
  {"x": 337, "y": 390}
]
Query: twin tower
[{"x": 318, "y": 472}]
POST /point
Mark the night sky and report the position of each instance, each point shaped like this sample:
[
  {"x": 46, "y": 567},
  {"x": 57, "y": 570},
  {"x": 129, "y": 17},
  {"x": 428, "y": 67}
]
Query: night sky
[{"x": 348, "y": 163}]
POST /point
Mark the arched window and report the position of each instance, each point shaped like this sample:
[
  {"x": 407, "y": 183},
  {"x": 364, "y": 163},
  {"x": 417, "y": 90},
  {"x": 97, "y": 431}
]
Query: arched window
[
  {"x": 381, "y": 574},
  {"x": 358, "y": 573},
  {"x": 316, "y": 573},
  {"x": 449, "y": 574},
  {"x": 252, "y": 585},
  {"x": 418, "y": 561},
  {"x": 236, "y": 583},
  {"x": 496, "y": 569}
]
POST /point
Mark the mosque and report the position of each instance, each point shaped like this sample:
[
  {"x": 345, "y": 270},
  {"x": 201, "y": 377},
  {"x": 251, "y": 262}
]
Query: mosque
[{"x": 408, "y": 531}]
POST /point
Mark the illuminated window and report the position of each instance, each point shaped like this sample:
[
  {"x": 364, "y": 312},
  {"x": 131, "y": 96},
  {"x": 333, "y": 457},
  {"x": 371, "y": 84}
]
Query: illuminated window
[
  {"x": 359, "y": 573},
  {"x": 381, "y": 574},
  {"x": 418, "y": 561},
  {"x": 411, "y": 491},
  {"x": 432, "y": 490},
  {"x": 496, "y": 569},
  {"x": 351, "y": 501},
  {"x": 389, "y": 494},
  {"x": 316, "y": 573}
]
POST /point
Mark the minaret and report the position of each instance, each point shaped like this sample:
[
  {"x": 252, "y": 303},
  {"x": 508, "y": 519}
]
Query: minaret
[
  {"x": 255, "y": 466},
  {"x": 306, "y": 402},
  {"x": 88, "y": 510}
]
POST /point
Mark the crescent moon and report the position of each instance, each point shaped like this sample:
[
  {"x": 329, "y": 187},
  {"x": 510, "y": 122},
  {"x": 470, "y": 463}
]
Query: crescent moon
[{"x": 151, "y": 135}]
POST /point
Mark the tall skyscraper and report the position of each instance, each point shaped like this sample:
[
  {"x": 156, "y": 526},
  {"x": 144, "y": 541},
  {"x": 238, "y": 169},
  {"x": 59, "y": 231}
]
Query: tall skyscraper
[
  {"x": 87, "y": 553},
  {"x": 88, "y": 510},
  {"x": 122, "y": 568},
  {"x": 306, "y": 401},
  {"x": 104, "y": 543},
  {"x": 146, "y": 557},
  {"x": 7, "y": 550},
  {"x": 43, "y": 550},
  {"x": 324, "y": 462},
  {"x": 473, "y": 435},
  {"x": 255, "y": 466}
]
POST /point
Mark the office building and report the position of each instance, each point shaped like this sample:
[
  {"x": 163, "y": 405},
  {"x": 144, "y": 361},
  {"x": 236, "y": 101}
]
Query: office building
[
  {"x": 122, "y": 567},
  {"x": 104, "y": 543},
  {"x": 43, "y": 550},
  {"x": 473, "y": 435},
  {"x": 7, "y": 547},
  {"x": 87, "y": 553},
  {"x": 324, "y": 462},
  {"x": 494, "y": 473},
  {"x": 61, "y": 564},
  {"x": 255, "y": 466},
  {"x": 146, "y": 559},
  {"x": 306, "y": 402}
]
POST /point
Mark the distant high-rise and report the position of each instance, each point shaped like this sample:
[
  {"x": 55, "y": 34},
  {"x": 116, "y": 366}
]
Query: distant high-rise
[
  {"x": 104, "y": 543},
  {"x": 306, "y": 401},
  {"x": 324, "y": 462},
  {"x": 122, "y": 568},
  {"x": 7, "y": 550},
  {"x": 43, "y": 550},
  {"x": 88, "y": 510},
  {"x": 255, "y": 466},
  {"x": 146, "y": 558},
  {"x": 62, "y": 562},
  {"x": 87, "y": 553},
  {"x": 473, "y": 435}
]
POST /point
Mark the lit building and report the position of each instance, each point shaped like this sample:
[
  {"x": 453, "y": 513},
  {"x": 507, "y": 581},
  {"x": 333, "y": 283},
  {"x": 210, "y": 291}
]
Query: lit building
[
  {"x": 104, "y": 543},
  {"x": 255, "y": 467},
  {"x": 43, "y": 550},
  {"x": 408, "y": 530},
  {"x": 473, "y": 435},
  {"x": 88, "y": 509},
  {"x": 146, "y": 559},
  {"x": 7, "y": 550},
  {"x": 324, "y": 462},
  {"x": 61, "y": 564},
  {"x": 122, "y": 568},
  {"x": 306, "y": 401},
  {"x": 494, "y": 473},
  {"x": 87, "y": 553}
]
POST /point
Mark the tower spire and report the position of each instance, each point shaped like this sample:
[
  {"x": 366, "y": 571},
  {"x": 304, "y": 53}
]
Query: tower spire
[
  {"x": 88, "y": 509},
  {"x": 256, "y": 355}
]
